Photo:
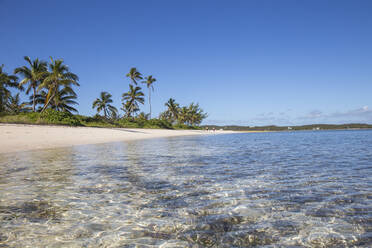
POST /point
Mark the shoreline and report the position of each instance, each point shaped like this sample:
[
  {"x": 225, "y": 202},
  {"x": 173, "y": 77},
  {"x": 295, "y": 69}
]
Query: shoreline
[{"x": 25, "y": 137}]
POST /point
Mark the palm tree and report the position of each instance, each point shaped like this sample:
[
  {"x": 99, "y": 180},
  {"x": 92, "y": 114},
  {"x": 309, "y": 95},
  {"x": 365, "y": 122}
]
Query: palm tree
[
  {"x": 32, "y": 75},
  {"x": 166, "y": 115},
  {"x": 39, "y": 100},
  {"x": 130, "y": 108},
  {"x": 59, "y": 75},
  {"x": 5, "y": 82},
  {"x": 191, "y": 115},
  {"x": 64, "y": 99},
  {"x": 173, "y": 109},
  {"x": 134, "y": 75},
  {"x": 131, "y": 99},
  {"x": 184, "y": 115},
  {"x": 103, "y": 103},
  {"x": 143, "y": 116},
  {"x": 14, "y": 105},
  {"x": 149, "y": 81},
  {"x": 196, "y": 114}
]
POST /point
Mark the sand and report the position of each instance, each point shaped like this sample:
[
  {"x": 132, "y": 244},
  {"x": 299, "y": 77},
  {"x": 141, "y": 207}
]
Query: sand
[{"x": 17, "y": 137}]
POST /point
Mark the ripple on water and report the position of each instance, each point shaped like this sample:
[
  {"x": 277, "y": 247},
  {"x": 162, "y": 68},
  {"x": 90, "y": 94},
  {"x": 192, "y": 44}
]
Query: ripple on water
[{"x": 303, "y": 189}]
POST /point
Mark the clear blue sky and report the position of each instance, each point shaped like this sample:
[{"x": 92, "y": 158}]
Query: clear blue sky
[{"x": 245, "y": 62}]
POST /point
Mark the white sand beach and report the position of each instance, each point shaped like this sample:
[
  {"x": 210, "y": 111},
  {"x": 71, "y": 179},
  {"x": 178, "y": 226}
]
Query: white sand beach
[{"x": 18, "y": 137}]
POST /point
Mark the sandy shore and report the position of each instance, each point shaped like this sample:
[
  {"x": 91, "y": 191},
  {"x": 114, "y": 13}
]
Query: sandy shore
[{"x": 16, "y": 137}]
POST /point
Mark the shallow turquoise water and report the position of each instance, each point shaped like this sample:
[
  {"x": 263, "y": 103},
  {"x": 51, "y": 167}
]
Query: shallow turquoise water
[{"x": 297, "y": 189}]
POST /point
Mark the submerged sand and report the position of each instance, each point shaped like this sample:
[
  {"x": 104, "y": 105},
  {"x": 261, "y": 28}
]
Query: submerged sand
[{"x": 17, "y": 137}]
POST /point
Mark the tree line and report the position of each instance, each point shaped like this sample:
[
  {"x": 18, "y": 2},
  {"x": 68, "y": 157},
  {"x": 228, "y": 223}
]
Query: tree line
[{"x": 52, "y": 86}]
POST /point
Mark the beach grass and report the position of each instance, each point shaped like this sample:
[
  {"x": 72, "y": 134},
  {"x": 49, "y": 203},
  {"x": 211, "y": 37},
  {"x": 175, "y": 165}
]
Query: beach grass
[{"x": 52, "y": 117}]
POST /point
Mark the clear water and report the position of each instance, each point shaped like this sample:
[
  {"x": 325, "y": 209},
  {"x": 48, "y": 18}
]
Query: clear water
[{"x": 300, "y": 189}]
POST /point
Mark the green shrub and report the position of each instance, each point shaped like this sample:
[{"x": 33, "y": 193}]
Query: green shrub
[
  {"x": 33, "y": 116},
  {"x": 183, "y": 126},
  {"x": 57, "y": 117},
  {"x": 128, "y": 123},
  {"x": 22, "y": 118},
  {"x": 51, "y": 116},
  {"x": 156, "y": 123}
]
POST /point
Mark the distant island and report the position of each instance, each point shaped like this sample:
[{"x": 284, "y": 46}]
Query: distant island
[{"x": 291, "y": 128}]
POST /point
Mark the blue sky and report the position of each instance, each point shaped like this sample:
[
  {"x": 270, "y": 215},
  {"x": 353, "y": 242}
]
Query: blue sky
[{"x": 245, "y": 62}]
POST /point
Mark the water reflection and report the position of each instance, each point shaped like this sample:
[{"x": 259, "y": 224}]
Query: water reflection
[{"x": 304, "y": 189}]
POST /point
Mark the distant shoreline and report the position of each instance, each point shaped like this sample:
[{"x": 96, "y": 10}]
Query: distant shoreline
[
  {"x": 24, "y": 137},
  {"x": 312, "y": 127}
]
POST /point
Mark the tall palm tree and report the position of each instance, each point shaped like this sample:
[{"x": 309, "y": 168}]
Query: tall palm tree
[
  {"x": 59, "y": 75},
  {"x": 149, "y": 81},
  {"x": 173, "y": 109},
  {"x": 103, "y": 103},
  {"x": 32, "y": 75},
  {"x": 134, "y": 75},
  {"x": 132, "y": 98},
  {"x": 5, "y": 82}
]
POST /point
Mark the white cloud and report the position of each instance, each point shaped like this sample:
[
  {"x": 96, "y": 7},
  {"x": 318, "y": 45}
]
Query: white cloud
[{"x": 363, "y": 114}]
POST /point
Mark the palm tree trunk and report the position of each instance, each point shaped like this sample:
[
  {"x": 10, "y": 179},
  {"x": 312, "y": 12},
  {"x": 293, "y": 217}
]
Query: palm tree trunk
[
  {"x": 150, "y": 101},
  {"x": 33, "y": 100},
  {"x": 104, "y": 112},
  {"x": 46, "y": 105}
]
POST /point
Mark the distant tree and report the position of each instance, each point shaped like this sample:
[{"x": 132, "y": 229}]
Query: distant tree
[
  {"x": 143, "y": 116},
  {"x": 132, "y": 99},
  {"x": 173, "y": 109},
  {"x": 184, "y": 115},
  {"x": 134, "y": 75},
  {"x": 32, "y": 75},
  {"x": 14, "y": 105},
  {"x": 6, "y": 81},
  {"x": 196, "y": 114},
  {"x": 59, "y": 75},
  {"x": 166, "y": 115},
  {"x": 103, "y": 103},
  {"x": 149, "y": 83},
  {"x": 191, "y": 115}
]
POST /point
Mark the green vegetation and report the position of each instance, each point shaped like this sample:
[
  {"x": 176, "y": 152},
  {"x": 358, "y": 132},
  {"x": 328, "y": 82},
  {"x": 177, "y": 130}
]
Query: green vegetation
[
  {"x": 53, "y": 100},
  {"x": 58, "y": 76},
  {"x": 134, "y": 75},
  {"x": 131, "y": 100},
  {"x": 32, "y": 76},
  {"x": 6, "y": 82},
  {"x": 48, "y": 117},
  {"x": 14, "y": 106},
  {"x": 191, "y": 115},
  {"x": 103, "y": 103}
]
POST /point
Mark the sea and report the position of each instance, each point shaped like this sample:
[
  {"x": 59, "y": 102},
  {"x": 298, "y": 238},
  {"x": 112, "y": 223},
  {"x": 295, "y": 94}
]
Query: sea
[{"x": 274, "y": 189}]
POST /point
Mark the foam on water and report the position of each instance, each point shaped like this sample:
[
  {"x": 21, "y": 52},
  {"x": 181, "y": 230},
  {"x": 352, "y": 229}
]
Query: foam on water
[{"x": 310, "y": 189}]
